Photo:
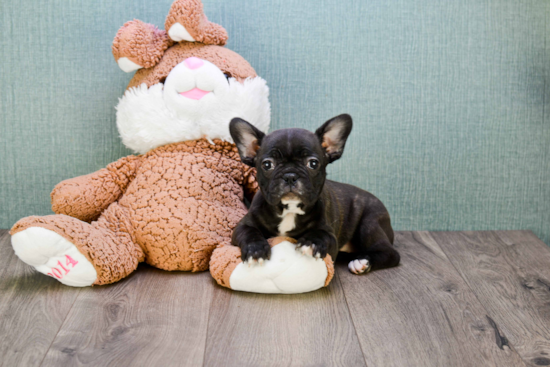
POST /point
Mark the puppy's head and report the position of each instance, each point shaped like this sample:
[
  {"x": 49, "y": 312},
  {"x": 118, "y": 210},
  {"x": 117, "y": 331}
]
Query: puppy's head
[{"x": 291, "y": 163}]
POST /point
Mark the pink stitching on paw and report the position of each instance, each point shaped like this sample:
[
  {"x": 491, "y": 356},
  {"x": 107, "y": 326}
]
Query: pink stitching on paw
[{"x": 56, "y": 273}]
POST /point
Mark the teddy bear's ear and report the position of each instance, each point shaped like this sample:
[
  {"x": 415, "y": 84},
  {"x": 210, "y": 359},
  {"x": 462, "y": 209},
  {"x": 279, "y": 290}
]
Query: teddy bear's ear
[
  {"x": 139, "y": 45},
  {"x": 186, "y": 22}
]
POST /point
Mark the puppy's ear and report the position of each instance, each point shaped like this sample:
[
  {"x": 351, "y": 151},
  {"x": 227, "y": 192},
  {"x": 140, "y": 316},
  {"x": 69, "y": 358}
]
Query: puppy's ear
[
  {"x": 333, "y": 135},
  {"x": 248, "y": 139}
]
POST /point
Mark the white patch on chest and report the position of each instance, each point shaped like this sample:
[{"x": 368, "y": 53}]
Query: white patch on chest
[{"x": 288, "y": 222}]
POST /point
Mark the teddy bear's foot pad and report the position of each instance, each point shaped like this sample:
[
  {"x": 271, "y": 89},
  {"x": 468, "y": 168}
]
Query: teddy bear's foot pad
[
  {"x": 279, "y": 274},
  {"x": 53, "y": 255}
]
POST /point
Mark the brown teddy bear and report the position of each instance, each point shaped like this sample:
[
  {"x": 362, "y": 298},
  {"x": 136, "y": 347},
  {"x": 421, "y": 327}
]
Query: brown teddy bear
[{"x": 173, "y": 204}]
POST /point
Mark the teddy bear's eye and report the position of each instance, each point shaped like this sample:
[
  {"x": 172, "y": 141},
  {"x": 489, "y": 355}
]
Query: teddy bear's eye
[{"x": 227, "y": 76}]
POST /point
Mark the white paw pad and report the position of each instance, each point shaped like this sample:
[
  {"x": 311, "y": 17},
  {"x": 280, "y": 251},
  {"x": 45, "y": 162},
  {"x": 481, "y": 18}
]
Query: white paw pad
[
  {"x": 128, "y": 65},
  {"x": 53, "y": 255},
  {"x": 359, "y": 266},
  {"x": 279, "y": 273},
  {"x": 178, "y": 33}
]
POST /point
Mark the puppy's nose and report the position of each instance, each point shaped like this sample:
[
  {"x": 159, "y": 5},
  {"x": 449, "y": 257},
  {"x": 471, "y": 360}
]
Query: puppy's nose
[
  {"x": 290, "y": 178},
  {"x": 193, "y": 63}
]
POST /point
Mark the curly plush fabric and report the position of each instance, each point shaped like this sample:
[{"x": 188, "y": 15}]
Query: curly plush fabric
[
  {"x": 228, "y": 61},
  {"x": 142, "y": 43},
  {"x": 189, "y": 13},
  {"x": 86, "y": 197},
  {"x": 175, "y": 205},
  {"x": 223, "y": 262}
]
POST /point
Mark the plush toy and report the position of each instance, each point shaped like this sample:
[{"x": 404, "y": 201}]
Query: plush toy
[
  {"x": 173, "y": 204},
  {"x": 287, "y": 271}
]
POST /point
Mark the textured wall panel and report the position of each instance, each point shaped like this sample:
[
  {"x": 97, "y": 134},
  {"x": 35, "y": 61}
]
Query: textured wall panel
[{"x": 451, "y": 108}]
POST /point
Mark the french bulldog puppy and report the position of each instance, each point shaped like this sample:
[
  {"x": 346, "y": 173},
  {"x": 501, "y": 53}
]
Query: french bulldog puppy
[{"x": 296, "y": 200}]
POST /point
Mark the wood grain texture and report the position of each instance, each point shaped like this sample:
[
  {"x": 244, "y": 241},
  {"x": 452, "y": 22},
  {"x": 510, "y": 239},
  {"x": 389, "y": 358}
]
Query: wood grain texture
[
  {"x": 509, "y": 271},
  {"x": 32, "y": 309},
  {"x": 153, "y": 318},
  {"x": 311, "y": 329},
  {"x": 422, "y": 313},
  {"x": 457, "y": 299}
]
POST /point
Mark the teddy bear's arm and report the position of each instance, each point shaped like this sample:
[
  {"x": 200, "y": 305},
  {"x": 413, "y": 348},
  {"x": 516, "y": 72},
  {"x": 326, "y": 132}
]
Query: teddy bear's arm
[
  {"x": 250, "y": 185},
  {"x": 85, "y": 197}
]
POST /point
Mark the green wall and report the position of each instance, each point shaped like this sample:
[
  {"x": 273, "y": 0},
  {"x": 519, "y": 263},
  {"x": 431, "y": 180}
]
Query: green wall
[{"x": 449, "y": 98}]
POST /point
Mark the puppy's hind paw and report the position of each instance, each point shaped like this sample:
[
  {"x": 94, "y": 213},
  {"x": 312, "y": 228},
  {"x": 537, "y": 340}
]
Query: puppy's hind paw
[{"x": 359, "y": 266}]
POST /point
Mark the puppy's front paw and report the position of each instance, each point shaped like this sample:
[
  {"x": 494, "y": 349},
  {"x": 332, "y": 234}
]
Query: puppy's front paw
[
  {"x": 308, "y": 247},
  {"x": 256, "y": 252},
  {"x": 359, "y": 266}
]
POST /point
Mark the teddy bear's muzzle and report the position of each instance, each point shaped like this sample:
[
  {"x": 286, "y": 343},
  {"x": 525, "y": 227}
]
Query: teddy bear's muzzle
[{"x": 194, "y": 93}]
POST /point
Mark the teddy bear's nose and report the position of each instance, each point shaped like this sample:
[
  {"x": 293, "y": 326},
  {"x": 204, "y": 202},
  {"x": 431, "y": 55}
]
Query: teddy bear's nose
[{"x": 193, "y": 63}]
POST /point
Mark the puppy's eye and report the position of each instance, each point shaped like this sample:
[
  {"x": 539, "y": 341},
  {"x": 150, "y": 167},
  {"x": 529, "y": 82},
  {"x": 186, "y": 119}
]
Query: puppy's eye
[
  {"x": 268, "y": 165},
  {"x": 313, "y": 163}
]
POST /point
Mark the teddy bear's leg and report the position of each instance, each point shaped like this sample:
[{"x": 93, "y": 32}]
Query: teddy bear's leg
[
  {"x": 77, "y": 253},
  {"x": 186, "y": 22},
  {"x": 222, "y": 263},
  {"x": 288, "y": 271}
]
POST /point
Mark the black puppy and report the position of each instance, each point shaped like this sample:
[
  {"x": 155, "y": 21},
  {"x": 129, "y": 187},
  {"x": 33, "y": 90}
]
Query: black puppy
[{"x": 295, "y": 200}]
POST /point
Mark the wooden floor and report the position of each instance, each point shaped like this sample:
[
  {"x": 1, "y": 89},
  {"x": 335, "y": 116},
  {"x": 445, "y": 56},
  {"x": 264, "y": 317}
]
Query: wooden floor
[{"x": 457, "y": 299}]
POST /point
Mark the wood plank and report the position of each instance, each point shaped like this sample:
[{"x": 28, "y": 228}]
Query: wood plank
[
  {"x": 32, "y": 309},
  {"x": 510, "y": 273},
  {"x": 152, "y": 318},
  {"x": 422, "y": 313},
  {"x": 311, "y": 329}
]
